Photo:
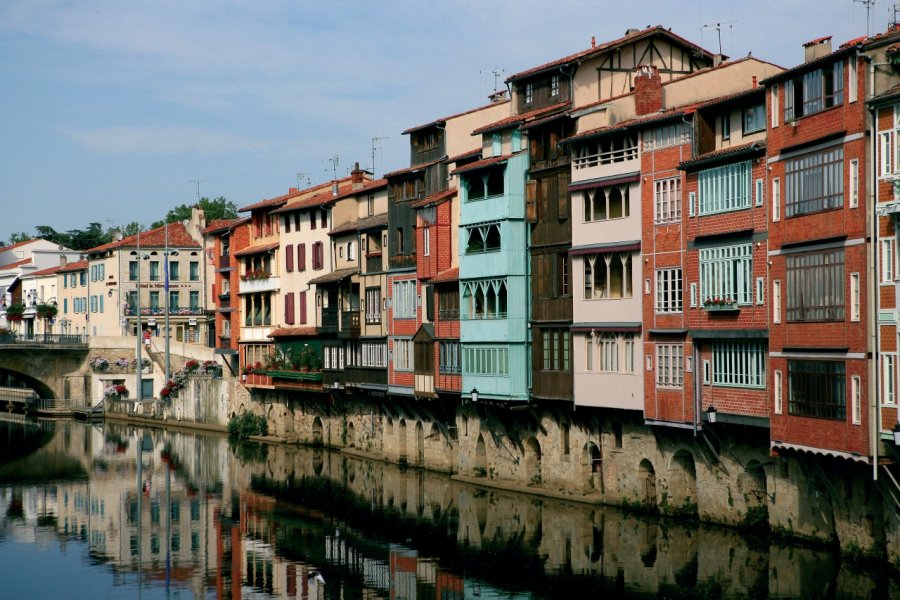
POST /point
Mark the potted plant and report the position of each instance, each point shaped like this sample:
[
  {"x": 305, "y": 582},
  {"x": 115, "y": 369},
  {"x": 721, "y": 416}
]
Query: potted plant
[
  {"x": 15, "y": 312},
  {"x": 46, "y": 311}
]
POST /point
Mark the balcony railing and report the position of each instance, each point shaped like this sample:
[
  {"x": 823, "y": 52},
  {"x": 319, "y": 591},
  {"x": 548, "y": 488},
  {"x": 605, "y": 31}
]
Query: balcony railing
[
  {"x": 618, "y": 155},
  {"x": 448, "y": 314},
  {"x": 329, "y": 317},
  {"x": 59, "y": 339},
  {"x": 224, "y": 300},
  {"x": 252, "y": 286},
  {"x": 350, "y": 321},
  {"x": 145, "y": 310}
]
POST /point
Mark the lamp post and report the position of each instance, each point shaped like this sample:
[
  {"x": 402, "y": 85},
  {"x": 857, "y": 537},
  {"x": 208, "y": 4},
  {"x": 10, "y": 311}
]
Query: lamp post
[{"x": 474, "y": 394}]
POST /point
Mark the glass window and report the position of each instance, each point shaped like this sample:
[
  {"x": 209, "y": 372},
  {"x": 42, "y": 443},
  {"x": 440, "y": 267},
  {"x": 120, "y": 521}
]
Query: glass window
[
  {"x": 668, "y": 291},
  {"x": 154, "y": 270},
  {"x": 739, "y": 364},
  {"x": 725, "y": 188},
  {"x": 817, "y": 389},
  {"x": 607, "y": 276},
  {"x": 670, "y": 365},
  {"x": 754, "y": 118},
  {"x": 726, "y": 274},
  {"x": 174, "y": 271},
  {"x": 404, "y": 300},
  {"x": 815, "y": 286},
  {"x": 667, "y": 196},
  {"x": 195, "y": 270},
  {"x": 814, "y": 182}
]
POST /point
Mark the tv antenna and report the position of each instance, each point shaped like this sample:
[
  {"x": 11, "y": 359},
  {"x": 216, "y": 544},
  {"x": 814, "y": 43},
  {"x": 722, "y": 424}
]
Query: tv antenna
[
  {"x": 335, "y": 160},
  {"x": 896, "y": 10},
  {"x": 376, "y": 146},
  {"x": 869, "y": 4},
  {"x": 300, "y": 176},
  {"x": 497, "y": 72},
  {"x": 730, "y": 25},
  {"x": 198, "y": 182}
]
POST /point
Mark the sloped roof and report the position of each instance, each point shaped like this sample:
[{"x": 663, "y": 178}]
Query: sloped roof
[
  {"x": 292, "y": 193},
  {"x": 443, "y": 120},
  {"x": 465, "y": 155},
  {"x": 632, "y": 123},
  {"x": 293, "y": 332},
  {"x": 413, "y": 169},
  {"x": 80, "y": 265},
  {"x": 485, "y": 162},
  {"x": 334, "y": 276},
  {"x": 628, "y": 38},
  {"x": 13, "y": 265},
  {"x": 19, "y": 244},
  {"x": 326, "y": 197},
  {"x": 44, "y": 272},
  {"x": 372, "y": 222},
  {"x": 447, "y": 276},
  {"x": 155, "y": 238},
  {"x": 256, "y": 249},
  {"x": 522, "y": 118},
  {"x": 435, "y": 198},
  {"x": 723, "y": 155},
  {"x": 217, "y": 225}
]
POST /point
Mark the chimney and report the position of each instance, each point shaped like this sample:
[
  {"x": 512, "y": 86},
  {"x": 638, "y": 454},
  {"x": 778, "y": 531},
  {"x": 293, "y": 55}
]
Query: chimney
[
  {"x": 293, "y": 191},
  {"x": 754, "y": 82},
  {"x": 497, "y": 96},
  {"x": 593, "y": 41},
  {"x": 816, "y": 48},
  {"x": 334, "y": 188},
  {"x": 356, "y": 176},
  {"x": 647, "y": 90},
  {"x": 63, "y": 260}
]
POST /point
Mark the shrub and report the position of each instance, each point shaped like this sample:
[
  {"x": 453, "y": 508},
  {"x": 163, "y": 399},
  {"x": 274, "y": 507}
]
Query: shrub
[{"x": 247, "y": 424}]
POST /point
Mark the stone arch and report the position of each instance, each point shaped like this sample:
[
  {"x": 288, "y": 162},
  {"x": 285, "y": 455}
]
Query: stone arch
[
  {"x": 533, "y": 460},
  {"x": 682, "y": 481},
  {"x": 351, "y": 434},
  {"x": 15, "y": 379},
  {"x": 317, "y": 435},
  {"x": 420, "y": 444},
  {"x": 592, "y": 467},
  {"x": 646, "y": 491},
  {"x": 401, "y": 440},
  {"x": 480, "y": 465}
]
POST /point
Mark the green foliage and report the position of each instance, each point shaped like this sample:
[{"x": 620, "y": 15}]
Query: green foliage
[
  {"x": 218, "y": 208},
  {"x": 15, "y": 238},
  {"x": 46, "y": 311},
  {"x": 756, "y": 517},
  {"x": 15, "y": 311},
  {"x": 246, "y": 424}
]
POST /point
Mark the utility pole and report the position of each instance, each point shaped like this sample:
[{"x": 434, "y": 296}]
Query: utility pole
[
  {"x": 868, "y": 4},
  {"x": 718, "y": 27}
]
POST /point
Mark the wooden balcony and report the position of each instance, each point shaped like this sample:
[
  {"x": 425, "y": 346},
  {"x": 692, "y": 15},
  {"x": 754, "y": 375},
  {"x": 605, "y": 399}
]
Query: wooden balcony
[
  {"x": 553, "y": 385},
  {"x": 329, "y": 320},
  {"x": 373, "y": 262},
  {"x": 350, "y": 322}
]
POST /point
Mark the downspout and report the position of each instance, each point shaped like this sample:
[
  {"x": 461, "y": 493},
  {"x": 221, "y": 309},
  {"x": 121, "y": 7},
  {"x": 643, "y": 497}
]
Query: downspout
[
  {"x": 697, "y": 366},
  {"x": 873, "y": 333}
]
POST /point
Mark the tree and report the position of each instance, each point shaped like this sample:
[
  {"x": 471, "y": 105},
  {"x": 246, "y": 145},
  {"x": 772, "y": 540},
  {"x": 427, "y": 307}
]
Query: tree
[
  {"x": 219, "y": 208},
  {"x": 15, "y": 238}
]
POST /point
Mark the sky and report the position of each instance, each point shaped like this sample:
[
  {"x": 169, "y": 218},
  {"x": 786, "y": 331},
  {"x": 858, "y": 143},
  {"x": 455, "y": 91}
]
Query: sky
[{"x": 113, "y": 111}]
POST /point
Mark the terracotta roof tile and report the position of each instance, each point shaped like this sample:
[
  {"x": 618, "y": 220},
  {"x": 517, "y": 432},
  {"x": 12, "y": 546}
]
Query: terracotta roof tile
[
  {"x": 325, "y": 197},
  {"x": 468, "y": 154},
  {"x": 81, "y": 265},
  {"x": 632, "y": 123},
  {"x": 292, "y": 193},
  {"x": 444, "y": 120},
  {"x": 484, "y": 162},
  {"x": 435, "y": 198},
  {"x": 522, "y": 118},
  {"x": 154, "y": 238},
  {"x": 44, "y": 272},
  {"x": 256, "y": 249},
  {"x": 19, "y": 244},
  {"x": 334, "y": 276},
  {"x": 607, "y": 46},
  {"x": 293, "y": 332},
  {"x": 372, "y": 222},
  {"x": 413, "y": 169},
  {"x": 722, "y": 155},
  {"x": 446, "y": 276},
  {"x": 217, "y": 225},
  {"x": 13, "y": 265}
]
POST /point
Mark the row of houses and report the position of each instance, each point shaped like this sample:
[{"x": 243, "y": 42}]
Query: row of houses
[{"x": 641, "y": 226}]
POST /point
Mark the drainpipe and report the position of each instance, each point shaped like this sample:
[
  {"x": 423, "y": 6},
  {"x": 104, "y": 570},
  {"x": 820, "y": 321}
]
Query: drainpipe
[{"x": 873, "y": 333}]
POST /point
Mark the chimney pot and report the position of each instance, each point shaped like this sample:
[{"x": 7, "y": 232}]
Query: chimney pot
[
  {"x": 647, "y": 90},
  {"x": 334, "y": 188},
  {"x": 593, "y": 41}
]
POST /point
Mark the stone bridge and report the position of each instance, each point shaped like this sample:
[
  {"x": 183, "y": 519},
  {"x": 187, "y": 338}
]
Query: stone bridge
[{"x": 54, "y": 366}]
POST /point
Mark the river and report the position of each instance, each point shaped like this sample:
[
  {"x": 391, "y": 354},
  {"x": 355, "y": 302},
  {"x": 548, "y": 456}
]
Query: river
[{"x": 117, "y": 511}]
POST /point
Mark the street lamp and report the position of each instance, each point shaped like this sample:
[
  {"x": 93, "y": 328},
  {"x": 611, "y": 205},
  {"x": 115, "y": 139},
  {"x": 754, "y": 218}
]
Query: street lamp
[{"x": 474, "y": 394}]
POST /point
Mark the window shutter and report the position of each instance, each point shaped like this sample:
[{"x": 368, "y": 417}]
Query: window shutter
[
  {"x": 289, "y": 258},
  {"x": 289, "y": 308},
  {"x": 302, "y": 299},
  {"x": 301, "y": 257},
  {"x": 324, "y": 218},
  {"x": 531, "y": 201},
  {"x": 562, "y": 191}
]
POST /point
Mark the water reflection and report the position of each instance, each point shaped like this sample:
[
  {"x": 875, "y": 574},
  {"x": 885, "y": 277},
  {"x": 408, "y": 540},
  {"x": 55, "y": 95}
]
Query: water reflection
[{"x": 155, "y": 513}]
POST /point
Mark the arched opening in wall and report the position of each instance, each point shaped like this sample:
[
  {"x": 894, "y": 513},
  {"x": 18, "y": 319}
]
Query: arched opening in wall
[
  {"x": 617, "y": 434},
  {"x": 318, "y": 460},
  {"x": 533, "y": 461},
  {"x": 592, "y": 467},
  {"x": 753, "y": 487},
  {"x": 401, "y": 441},
  {"x": 20, "y": 380},
  {"x": 351, "y": 435},
  {"x": 233, "y": 415},
  {"x": 647, "y": 484},
  {"x": 390, "y": 426},
  {"x": 420, "y": 444},
  {"x": 317, "y": 437},
  {"x": 682, "y": 480},
  {"x": 480, "y": 465},
  {"x": 481, "y": 510}
]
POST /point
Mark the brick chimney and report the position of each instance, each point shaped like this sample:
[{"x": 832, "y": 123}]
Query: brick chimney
[
  {"x": 647, "y": 90},
  {"x": 816, "y": 48},
  {"x": 357, "y": 176}
]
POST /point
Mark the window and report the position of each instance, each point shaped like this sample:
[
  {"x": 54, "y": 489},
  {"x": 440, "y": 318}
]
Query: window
[
  {"x": 669, "y": 135},
  {"x": 154, "y": 301},
  {"x": 194, "y": 270},
  {"x": 373, "y": 305},
  {"x": 301, "y": 257},
  {"x": 739, "y": 364},
  {"x": 606, "y": 150},
  {"x": 726, "y": 126},
  {"x": 854, "y": 183},
  {"x": 484, "y": 299},
  {"x": 404, "y": 300},
  {"x": 497, "y": 144},
  {"x": 174, "y": 303},
  {"x": 483, "y": 238},
  {"x": 760, "y": 192},
  {"x": 779, "y": 387},
  {"x": 817, "y": 389},
  {"x": 132, "y": 272},
  {"x": 194, "y": 299},
  {"x": 814, "y": 91},
  {"x": 852, "y": 77},
  {"x": 449, "y": 358},
  {"x": 667, "y": 194},
  {"x": 888, "y": 378},
  {"x": 814, "y": 182},
  {"x": 815, "y": 286},
  {"x": 324, "y": 216},
  {"x": 888, "y": 250},
  {"x": 154, "y": 270},
  {"x": 670, "y": 365},
  {"x": 351, "y": 250},
  {"x": 776, "y": 301},
  {"x": 529, "y": 93},
  {"x": 554, "y": 349},
  {"x": 370, "y": 205},
  {"x": 692, "y": 203},
  {"x": 82, "y": 278},
  {"x": 773, "y": 96},
  {"x": 448, "y": 302},
  {"x": 286, "y": 223},
  {"x": 854, "y": 297},
  {"x": 289, "y": 258},
  {"x": 776, "y": 199},
  {"x": 484, "y": 184},
  {"x": 608, "y": 353},
  {"x": 312, "y": 219},
  {"x": 301, "y": 301},
  {"x": 174, "y": 271},
  {"x": 694, "y": 295},
  {"x": 426, "y": 241},
  {"x": 562, "y": 274},
  {"x": 754, "y": 118},
  {"x": 589, "y": 353},
  {"x": 855, "y": 399},
  {"x": 554, "y": 85},
  {"x": 318, "y": 256},
  {"x": 333, "y": 357},
  {"x": 726, "y": 273},
  {"x": 724, "y": 188},
  {"x": 668, "y": 291},
  {"x": 760, "y": 290},
  {"x": 602, "y": 204},
  {"x": 607, "y": 276},
  {"x": 481, "y": 360},
  {"x": 884, "y": 139}
]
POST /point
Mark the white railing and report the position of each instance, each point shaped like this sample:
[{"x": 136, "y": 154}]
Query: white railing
[
  {"x": 252, "y": 286},
  {"x": 606, "y": 158}
]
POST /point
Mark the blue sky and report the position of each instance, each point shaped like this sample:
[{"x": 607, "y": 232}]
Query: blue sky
[{"x": 111, "y": 109}]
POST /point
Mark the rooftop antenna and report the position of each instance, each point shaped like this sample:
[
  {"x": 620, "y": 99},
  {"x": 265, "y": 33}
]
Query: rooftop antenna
[
  {"x": 335, "y": 160},
  {"x": 896, "y": 10},
  {"x": 497, "y": 72},
  {"x": 376, "y": 146},
  {"x": 868, "y": 4},
  {"x": 198, "y": 182},
  {"x": 730, "y": 25},
  {"x": 300, "y": 176}
]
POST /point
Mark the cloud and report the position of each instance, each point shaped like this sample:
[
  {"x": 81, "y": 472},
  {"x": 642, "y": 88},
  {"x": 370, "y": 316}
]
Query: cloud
[{"x": 162, "y": 140}]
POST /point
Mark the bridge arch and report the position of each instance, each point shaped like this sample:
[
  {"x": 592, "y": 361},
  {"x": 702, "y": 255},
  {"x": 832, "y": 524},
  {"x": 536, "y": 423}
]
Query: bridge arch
[{"x": 14, "y": 379}]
